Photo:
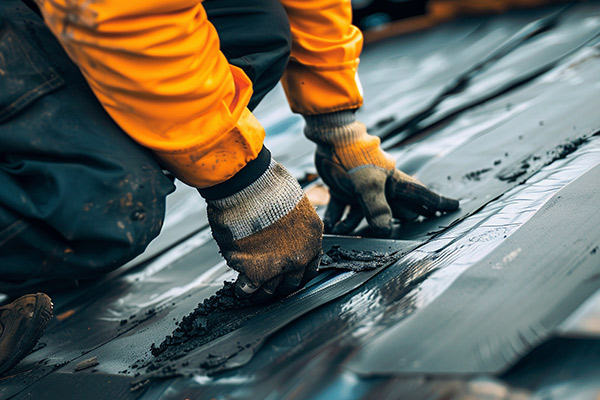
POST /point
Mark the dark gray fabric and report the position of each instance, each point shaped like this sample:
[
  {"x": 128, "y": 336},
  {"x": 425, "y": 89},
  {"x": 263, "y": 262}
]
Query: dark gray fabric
[
  {"x": 255, "y": 36},
  {"x": 78, "y": 197}
]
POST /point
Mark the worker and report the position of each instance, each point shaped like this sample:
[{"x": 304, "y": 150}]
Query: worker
[{"x": 98, "y": 98}]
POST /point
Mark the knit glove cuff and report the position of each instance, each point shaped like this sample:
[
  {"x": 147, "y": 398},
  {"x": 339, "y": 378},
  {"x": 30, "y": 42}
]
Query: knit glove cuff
[
  {"x": 260, "y": 204},
  {"x": 344, "y": 140}
]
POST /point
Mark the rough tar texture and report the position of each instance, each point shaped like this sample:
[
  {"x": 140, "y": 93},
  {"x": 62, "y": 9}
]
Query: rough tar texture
[{"x": 197, "y": 324}]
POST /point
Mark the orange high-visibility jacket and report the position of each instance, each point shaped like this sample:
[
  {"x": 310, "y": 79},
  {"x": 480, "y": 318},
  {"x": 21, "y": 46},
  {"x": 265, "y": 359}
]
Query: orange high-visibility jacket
[{"x": 144, "y": 62}]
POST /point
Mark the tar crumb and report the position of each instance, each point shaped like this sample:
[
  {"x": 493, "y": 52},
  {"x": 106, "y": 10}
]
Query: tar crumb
[
  {"x": 123, "y": 322},
  {"x": 497, "y": 162},
  {"x": 196, "y": 324},
  {"x": 60, "y": 365},
  {"x": 476, "y": 175},
  {"x": 354, "y": 260},
  {"x": 38, "y": 346},
  {"x": 557, "y": 153}
]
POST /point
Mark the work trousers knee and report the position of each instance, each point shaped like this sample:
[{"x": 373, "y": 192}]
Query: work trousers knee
[{"x": 78, "y": 197}]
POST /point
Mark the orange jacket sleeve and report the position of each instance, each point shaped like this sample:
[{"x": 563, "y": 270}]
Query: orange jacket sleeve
[
  {"x": 156, "y": 67},
  {"x": 321, "y": 76}
]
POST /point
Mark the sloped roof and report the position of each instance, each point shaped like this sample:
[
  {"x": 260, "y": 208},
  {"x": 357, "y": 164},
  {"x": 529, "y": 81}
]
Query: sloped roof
[{"x": 499, "y": 300}]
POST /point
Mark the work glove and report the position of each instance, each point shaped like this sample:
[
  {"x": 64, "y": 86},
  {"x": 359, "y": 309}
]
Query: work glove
[
  {"x": 361, "y": 175},
  {"x": 266, "y": 229}
]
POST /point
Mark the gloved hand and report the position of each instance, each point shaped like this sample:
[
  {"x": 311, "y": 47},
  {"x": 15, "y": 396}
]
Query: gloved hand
[
  {"x": 266, "y": 229},
  {"x": 360, "y": 174}
]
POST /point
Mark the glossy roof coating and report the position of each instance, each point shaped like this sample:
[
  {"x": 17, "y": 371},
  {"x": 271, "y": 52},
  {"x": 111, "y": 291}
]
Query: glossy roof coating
[{"x": 499, "y": 300}]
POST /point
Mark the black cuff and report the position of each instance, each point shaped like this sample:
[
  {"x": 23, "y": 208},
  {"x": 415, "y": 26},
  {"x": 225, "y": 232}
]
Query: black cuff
[{"x": 244, "y": 178}]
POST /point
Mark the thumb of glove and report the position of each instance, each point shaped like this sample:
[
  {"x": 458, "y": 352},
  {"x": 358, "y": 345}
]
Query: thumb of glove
[{"x": 369, "y": 185}]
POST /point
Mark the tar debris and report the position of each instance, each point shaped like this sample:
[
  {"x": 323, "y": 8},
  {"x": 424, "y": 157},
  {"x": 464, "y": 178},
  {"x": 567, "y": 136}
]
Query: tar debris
[
  {"x": 476, "y": 175},
  {"x": 224, "y": 312},
  {"x": 537, "y": 161},
  {"x": 354, "y": 260},
  {"x": 196, "y": 323},
  {"x": 39, "y": 345}
]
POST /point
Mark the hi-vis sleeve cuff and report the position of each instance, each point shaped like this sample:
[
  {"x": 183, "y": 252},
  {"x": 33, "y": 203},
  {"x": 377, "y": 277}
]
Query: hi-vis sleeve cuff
[
  {"x": 157, "y": 69},
  {"x": 321, "y": 76},
  {"x": 211, "y": 164}
]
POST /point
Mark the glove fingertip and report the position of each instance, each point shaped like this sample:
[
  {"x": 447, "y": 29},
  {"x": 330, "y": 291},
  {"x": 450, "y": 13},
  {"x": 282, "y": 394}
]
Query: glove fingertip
[
  {"x": 292, "y": 280},
  {"x": 341, "y": 228},
  {"x": 270, "y": 286},
  {"x": 382, "y": 224},
  {"x": 448, "y": 204},
  {"x": 244, "y": 287},
  {"x": 335, "y": 211},
  {"x": 311, "y": 271},
  {"x": 328, "y": 227},
  {"x": 350, "y": 223}
]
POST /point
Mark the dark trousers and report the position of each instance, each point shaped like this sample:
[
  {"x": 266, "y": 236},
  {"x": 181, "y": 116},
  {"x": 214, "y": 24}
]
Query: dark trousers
[{"x": 78, "y": 197}]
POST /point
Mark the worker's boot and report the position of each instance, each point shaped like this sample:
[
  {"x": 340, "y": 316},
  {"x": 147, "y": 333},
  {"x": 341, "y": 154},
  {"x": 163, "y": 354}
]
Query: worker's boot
[{"x": 22, "y": 322}]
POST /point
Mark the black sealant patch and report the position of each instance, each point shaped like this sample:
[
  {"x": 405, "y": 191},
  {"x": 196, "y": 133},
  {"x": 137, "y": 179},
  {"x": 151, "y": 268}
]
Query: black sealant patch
[
  {"x": 355, "y": 260},
  {"x": 507, "y": 302},
  {"x": 232, "y": 336},
  {"x": 537, "y": 161},
  {"x": 201, "y": 325},
  {"x": 197, "y": 323}
]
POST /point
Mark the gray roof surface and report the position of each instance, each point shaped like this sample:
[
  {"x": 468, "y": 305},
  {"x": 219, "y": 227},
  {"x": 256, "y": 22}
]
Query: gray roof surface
[{"x": 499, "y": 300}]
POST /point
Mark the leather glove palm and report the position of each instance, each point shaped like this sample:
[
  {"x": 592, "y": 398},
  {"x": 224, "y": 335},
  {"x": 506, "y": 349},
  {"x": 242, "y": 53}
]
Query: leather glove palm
[
  {"x": 266, "y": 229},
  {"x": 361, "y": 175}
]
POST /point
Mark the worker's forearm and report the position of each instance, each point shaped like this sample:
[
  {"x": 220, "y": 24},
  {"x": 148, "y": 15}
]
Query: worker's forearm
[
  {"x": 322, "y": 74},
  {"x": 156, "y": 67}
]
